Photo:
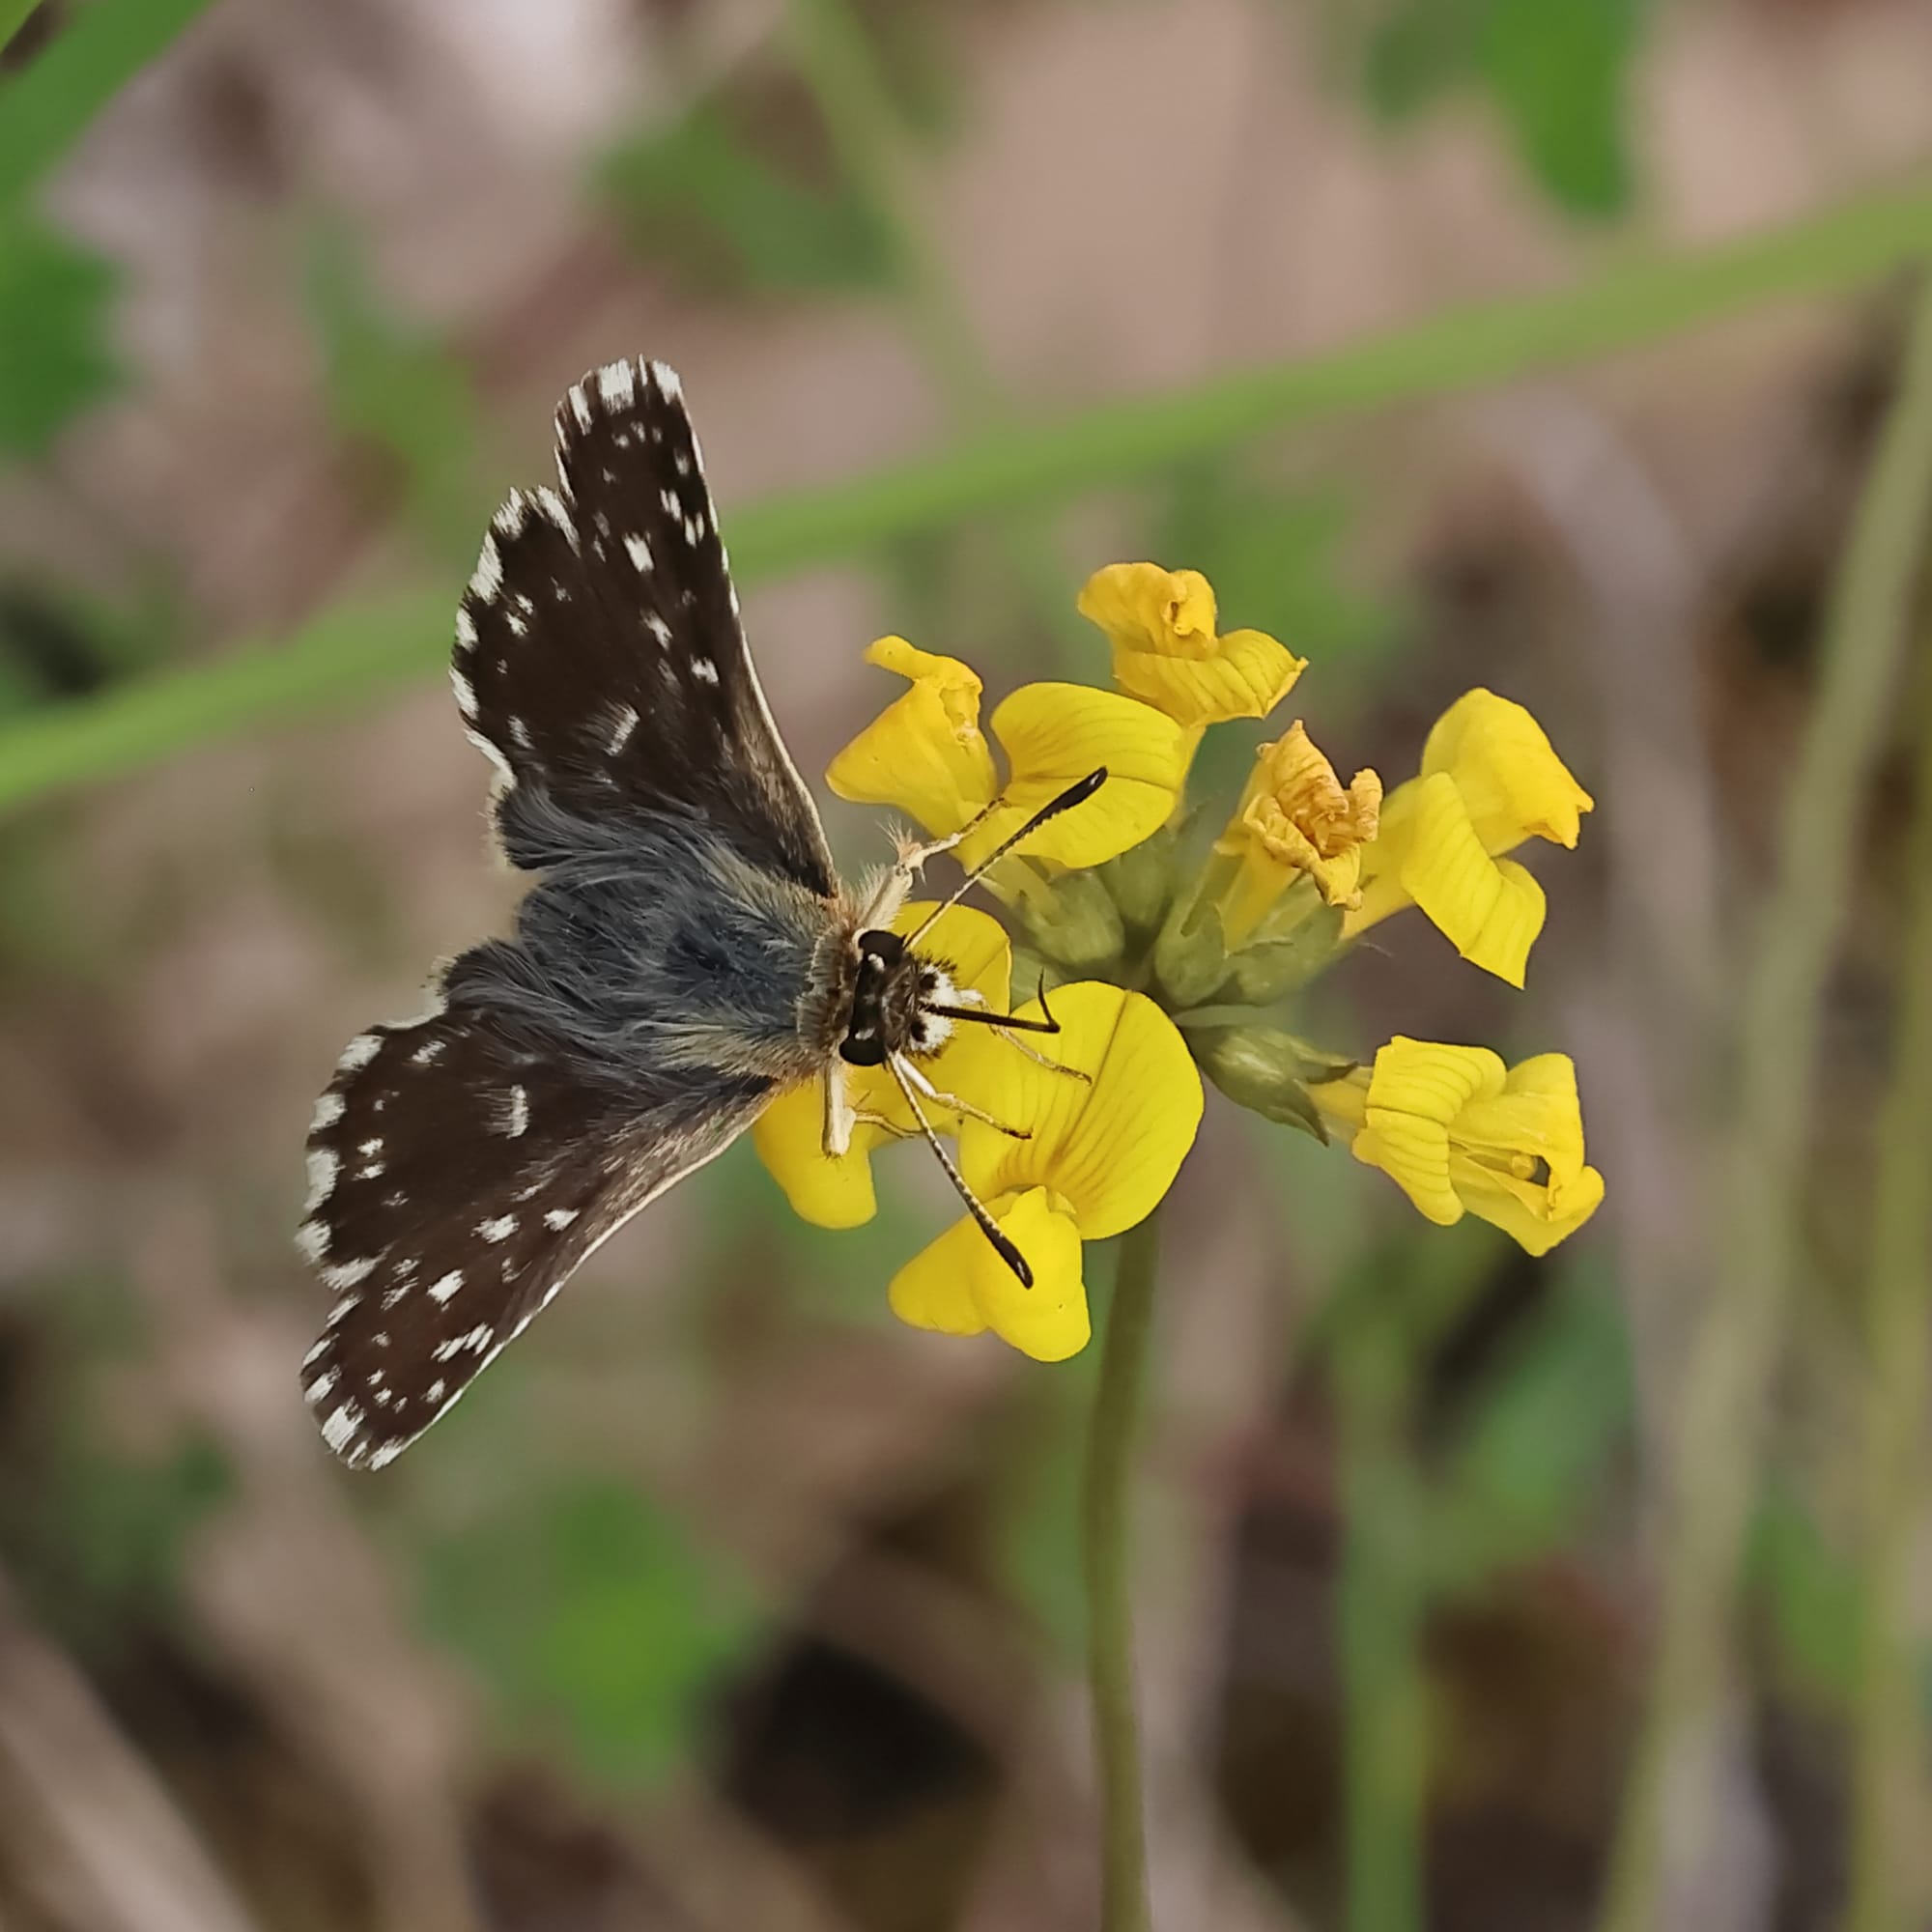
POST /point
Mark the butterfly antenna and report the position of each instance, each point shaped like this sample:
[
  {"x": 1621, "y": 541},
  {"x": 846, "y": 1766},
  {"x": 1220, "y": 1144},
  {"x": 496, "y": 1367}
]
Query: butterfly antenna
[
  {"x": 1011, "y": 1022},
  {"x": 990, "y": 1228},
  {"x": 1077, "y": 793}
]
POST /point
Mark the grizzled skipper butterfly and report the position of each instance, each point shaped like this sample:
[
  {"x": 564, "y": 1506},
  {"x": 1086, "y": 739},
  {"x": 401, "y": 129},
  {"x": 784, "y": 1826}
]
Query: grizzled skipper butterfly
[{"x": 686, "y": 953}]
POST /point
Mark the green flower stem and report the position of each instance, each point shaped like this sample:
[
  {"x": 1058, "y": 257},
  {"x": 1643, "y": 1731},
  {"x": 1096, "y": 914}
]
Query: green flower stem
[
  {"x": 1380, "y": 1611},
  {"x": 1887, "y": 1889},
  {"x": 1038, "y": 458},
  {"x": 1104, "y": 1511},
  {"x": 1733, "y": 1359}
]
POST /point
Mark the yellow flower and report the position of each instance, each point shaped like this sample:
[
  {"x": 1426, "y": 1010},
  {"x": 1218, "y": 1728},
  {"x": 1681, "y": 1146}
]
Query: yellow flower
[
  {"x": 1166, "y": 649},
  {"x": 1489, "y": 779},
  {"x": 1294, "y": 818},
  {"x": 925, "y": 755},
  {"x": 1099, "y": 1155},
  {"x": 1460, "y": 1133},
  {"x": 789, "y": 1135}
]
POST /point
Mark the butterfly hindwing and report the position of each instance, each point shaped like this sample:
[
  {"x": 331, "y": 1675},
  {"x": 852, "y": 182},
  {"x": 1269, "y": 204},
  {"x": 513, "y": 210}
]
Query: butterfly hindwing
[
  {"x": 599, "y": 654},
  {"x": 460, "y": 1170}
]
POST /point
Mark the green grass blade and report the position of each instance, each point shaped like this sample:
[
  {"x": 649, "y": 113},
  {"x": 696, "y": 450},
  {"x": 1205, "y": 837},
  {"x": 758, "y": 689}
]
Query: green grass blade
[
  {"x": 44, "y": 110},
  {"x": 351, "y": 653}
]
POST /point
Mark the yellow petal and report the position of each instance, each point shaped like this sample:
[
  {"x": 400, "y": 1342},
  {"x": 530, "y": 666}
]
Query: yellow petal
[
  {"x": 1536, "y": 1117},
  {"x": 1166, "y": 650},
  {"x": 959, "y": 1285},
  {"x": 1150, "y": 612},
  {"x": 1110, "y": 1147},
  {"x": 1535, "y": 1218},
  {"x": 789, "y": 1135},
  {"x": 923, "y": 753},
  {"x": 1513, "y": 783},
  {"x": 1054, "y": 734},
  {"x": 1295, "y": 816},
  {"x": 1416, "y": 1091},
  {"x": 1458, "y": 1133},
  {"x": 1491, "y": 909}
]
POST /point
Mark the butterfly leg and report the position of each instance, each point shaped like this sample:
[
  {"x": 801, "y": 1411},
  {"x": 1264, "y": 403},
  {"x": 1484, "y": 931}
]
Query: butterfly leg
[
  {"x": 918, "y": 1079},
  {"x": 840, "y": 1114}
]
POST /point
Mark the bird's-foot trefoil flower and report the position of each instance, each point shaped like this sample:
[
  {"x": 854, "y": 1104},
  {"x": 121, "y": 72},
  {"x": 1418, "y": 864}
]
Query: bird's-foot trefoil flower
[
  {"x": 1296, "y": 820},
  {"x": 1183, "y": 943},
  {"x": 926, "y": 754},
  {"x": 1099, "y": 1152},
  {"x": 1460, "y": 1133},
  {"x": 1489, "y": 779},
  {"x": 1166, "y": 650}
]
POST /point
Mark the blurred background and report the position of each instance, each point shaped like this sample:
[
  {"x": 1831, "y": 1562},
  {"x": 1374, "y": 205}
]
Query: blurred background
[{"x": 1541, "y": 344}]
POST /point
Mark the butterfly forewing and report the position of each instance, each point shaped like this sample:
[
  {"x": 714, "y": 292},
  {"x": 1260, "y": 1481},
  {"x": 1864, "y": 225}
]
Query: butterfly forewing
[
  {"x": 459, "y": 1172},
  {"x": 599, "y": 651},
  {"x": 463, "y": 1163}
]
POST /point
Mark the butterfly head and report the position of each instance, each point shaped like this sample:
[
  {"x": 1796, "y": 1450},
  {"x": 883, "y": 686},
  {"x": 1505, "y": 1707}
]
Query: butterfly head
[{"x": 898, "y": 1003}]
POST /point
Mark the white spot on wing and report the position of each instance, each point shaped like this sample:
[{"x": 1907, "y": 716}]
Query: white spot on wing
[
  {"x": 499, "y": 1230},
  {"x": 318, "y": 1390},
  {"x": 381, "y": 1459},
  {"x": 315, "y": 1353},
  {"x": 340, "y": 1428},
  {"x": 579, "y": 405},
  {"x": 466, "y": 630},
  {"x": 323, "y": 1167},
  {"x": 620, "y": 731},
  {"x": 360, "y": 1052},
  {"x": 704, "y": 671},
  {"x": 327, "y": 1111},
  {"x": 442, "y": 1289},
  {"x": 345, "y": 1275},
  {"x": 617, "y": 383},
  {"x": 428, "y": 1053},
  {"x": 560, "y": 1218},
  {"x": 639, "y": 551},
  {"x": 343, "y": 1310},
  {"x": 436, "y": 1389},
  {"x": 557, "y": 511},
  {"x": 466, "y": 693},
  {"x": 487, "y": 577},
  {"x": 515, "y": 1113},
  {"x": 656, "y": 626},
  {"x": 666, "y": 379}
]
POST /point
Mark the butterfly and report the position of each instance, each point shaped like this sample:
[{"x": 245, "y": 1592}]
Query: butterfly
[{"x": 686, "y": 953}]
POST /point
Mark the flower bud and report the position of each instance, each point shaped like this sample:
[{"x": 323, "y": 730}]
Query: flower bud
[
  {"x": 1268, "y": 1071},
  {"x": 1074, "y": 923},
  {"x": 1141, "y": 880}
]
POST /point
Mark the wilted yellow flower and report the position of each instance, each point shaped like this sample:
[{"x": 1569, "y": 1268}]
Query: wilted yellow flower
[
  {"x": 837, "y": 1192},
  {"x": 1459, "y": 1132},
  {"x": 1297, "y": 819},
  {"x": 1166, "y": 649},
  {"x": 1489, "y": 779},
  {"x": 925, "y": 755},
  {"x": 1099, "y": 1155}
]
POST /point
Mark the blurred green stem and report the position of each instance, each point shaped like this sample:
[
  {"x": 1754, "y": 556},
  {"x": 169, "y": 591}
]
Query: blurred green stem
[
  {"x": 1721, "y": 1423},
  {"x": 1036, "y": 457},
  {"x": 1104, "y": 1525},
  {"x": 1380, "y": 1612},
  {"x": 14, "y": 16},
  {"x": 1889, "y": 1891}
]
